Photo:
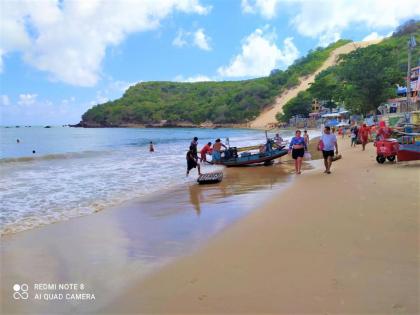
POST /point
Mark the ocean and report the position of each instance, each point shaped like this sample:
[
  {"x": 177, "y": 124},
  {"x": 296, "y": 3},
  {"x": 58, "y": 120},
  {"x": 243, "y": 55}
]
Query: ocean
[{"x": 77, "y": 171}]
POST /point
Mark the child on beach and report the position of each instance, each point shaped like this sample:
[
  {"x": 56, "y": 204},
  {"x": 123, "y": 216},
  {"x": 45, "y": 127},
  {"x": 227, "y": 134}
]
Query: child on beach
[
  {"x": 151, "y": 147},
  {"x": 297, "y": 147},
  {"x": 353, "y": 137},
  {"x": 306, "y": 137}
]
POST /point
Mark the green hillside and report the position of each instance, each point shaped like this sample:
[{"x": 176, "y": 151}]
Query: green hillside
[
  {"x": 224, "y": 102},
  {"x": 365, "y": 77}
]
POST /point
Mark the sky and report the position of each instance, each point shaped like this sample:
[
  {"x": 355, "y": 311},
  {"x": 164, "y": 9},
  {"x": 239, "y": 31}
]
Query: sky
[{"x": 59, "y": 58}]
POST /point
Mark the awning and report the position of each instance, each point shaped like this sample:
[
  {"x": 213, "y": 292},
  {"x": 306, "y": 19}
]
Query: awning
[
  {"x": 332, "y": 122},
  {"x": 331, "y": 115}
]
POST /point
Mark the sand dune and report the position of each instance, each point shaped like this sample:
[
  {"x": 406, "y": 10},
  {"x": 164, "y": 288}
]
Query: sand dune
[{"x": 269, "y": 116}]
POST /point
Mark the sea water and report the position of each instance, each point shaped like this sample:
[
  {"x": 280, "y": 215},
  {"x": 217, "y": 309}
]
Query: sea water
[{"x": 77, "y": 171}]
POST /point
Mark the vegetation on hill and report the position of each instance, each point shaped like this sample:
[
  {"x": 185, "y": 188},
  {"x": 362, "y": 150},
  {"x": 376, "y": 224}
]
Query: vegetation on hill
[
  {"x": 363, "y": 79},
  {"x": 216, "y": 102}
]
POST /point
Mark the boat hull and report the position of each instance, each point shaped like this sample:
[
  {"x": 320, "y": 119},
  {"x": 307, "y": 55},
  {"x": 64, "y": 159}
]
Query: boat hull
[
  {"x": 408, "y": 152},
  {"x": 254, "y": 159}
]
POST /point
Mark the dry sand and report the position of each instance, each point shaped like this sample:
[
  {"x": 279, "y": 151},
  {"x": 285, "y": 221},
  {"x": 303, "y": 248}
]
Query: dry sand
[
  {"x": 340, "y": 243},
  {"x": 269, "y": 116}
]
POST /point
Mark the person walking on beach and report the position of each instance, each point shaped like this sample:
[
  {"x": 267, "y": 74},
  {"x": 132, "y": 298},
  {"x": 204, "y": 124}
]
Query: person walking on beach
[
  {"x": 192, "y": 161},
  {"x": 329, "y": 141},
  {"x": 353, "y": 136},
  {"x": 356, "y": 132},
  {"x": 306, "y": 137},
  {"x": 344, "y": 131},
  {"x": 204, "y": 151},
  {"x": 364, "y": 132},
  {"x": 151, "y": 147},
  {"x": 297, "y": 147}
]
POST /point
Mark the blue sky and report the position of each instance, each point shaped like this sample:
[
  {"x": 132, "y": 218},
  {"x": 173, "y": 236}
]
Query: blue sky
[{"x": 61, "y": 57}]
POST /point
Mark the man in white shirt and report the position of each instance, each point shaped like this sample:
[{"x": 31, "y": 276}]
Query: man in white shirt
[{"x": 329, "y": 141}]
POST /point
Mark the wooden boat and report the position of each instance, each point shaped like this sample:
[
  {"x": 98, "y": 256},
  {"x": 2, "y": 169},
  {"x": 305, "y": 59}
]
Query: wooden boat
[
  {"x": 255, "y": 147},
  {"x": 231, "y": 157},
  {"x": 408, "y": 152},
  {"x": 409, "y": 149},
  {"x": 248, "y": 148}
]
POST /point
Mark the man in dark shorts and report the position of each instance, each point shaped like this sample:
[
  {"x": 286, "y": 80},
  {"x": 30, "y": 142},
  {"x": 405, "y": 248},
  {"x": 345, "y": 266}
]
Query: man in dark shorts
[
  {"x": 329, "y": 142},
  {"x": 192, "y": 161}
]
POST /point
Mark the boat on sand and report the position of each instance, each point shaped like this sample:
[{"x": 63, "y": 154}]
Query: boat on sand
[{"x": 234, "y": 157}]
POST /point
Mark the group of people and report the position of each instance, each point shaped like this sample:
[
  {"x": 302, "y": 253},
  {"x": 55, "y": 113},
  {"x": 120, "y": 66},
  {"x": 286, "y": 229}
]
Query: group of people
[
  {"x": 327, "y": 143},
  {"x": 214, "y": 150},
  {"x": 363, "y": 133},
  {"x": 360, "y": 134},
  {"x": 298, "y": 146}
]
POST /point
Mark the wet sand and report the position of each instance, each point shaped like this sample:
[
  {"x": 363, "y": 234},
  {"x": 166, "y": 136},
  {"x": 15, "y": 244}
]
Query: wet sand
[
  {"x": 341, "y": 243},
  {"x": 110, "y": 251}
]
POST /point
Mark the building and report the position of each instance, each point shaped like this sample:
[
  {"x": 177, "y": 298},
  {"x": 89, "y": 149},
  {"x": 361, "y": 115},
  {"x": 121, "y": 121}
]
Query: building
[{"x": 399, "y": 104}]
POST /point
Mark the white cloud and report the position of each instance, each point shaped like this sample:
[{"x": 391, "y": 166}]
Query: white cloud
[
  {"x": 27, "y": 99},
  {"x": 260, "y": 55},
  {"x": 29, "y": 109},
  {"x": 180, "y": 40},
  {"x": 201, "y": 40},
  {"x": 327, "y": 19},
  {"x": 372, "y": 36},
  {"x": 68, "y": 39},
  {"x": 99, "y": 99},
  {"x": 197, "y": 78},
  {"x": 197, "y": 38},
  {"x": 4, "y": 100},
  {"x": 328, "y": 38},
  {"x": 267, "y": 8},
  {"x": 112, "y": 89},
  {"x": 120, "y": 86}
]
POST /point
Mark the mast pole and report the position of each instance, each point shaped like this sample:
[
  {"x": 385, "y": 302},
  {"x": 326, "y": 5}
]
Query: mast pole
[{"x": 409, "y": 74}]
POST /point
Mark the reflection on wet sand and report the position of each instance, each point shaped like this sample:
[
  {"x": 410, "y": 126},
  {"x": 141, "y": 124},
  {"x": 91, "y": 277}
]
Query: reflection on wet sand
[
  {"x": 109, "y": 250},
  {"x": 239, "y": 181}
]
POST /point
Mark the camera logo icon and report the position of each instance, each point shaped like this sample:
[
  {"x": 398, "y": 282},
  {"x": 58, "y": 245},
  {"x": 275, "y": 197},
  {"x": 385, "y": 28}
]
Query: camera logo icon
[{"x": 20, "y": 291}]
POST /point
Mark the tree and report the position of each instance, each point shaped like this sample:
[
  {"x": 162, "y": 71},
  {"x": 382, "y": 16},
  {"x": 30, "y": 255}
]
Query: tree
[
  {"x": 327, "y": 87},
  {"x": 369, "y": 77},
  {"x": 300, "y": 105}
]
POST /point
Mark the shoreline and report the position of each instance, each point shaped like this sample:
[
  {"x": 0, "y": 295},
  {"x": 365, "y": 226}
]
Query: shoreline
[
  {"x": 238, "y": 247},
  {"x": 349, "y": 246},
  {"x": 72, "y": 210},
  {"x": 112, "y": 249}
]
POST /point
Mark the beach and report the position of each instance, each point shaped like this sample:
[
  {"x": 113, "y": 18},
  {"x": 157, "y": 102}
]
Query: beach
[
  {"x": 109, "y": 251},
  {"x": 340, "y": 243},
  {"x": 262, "y": 241}
]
